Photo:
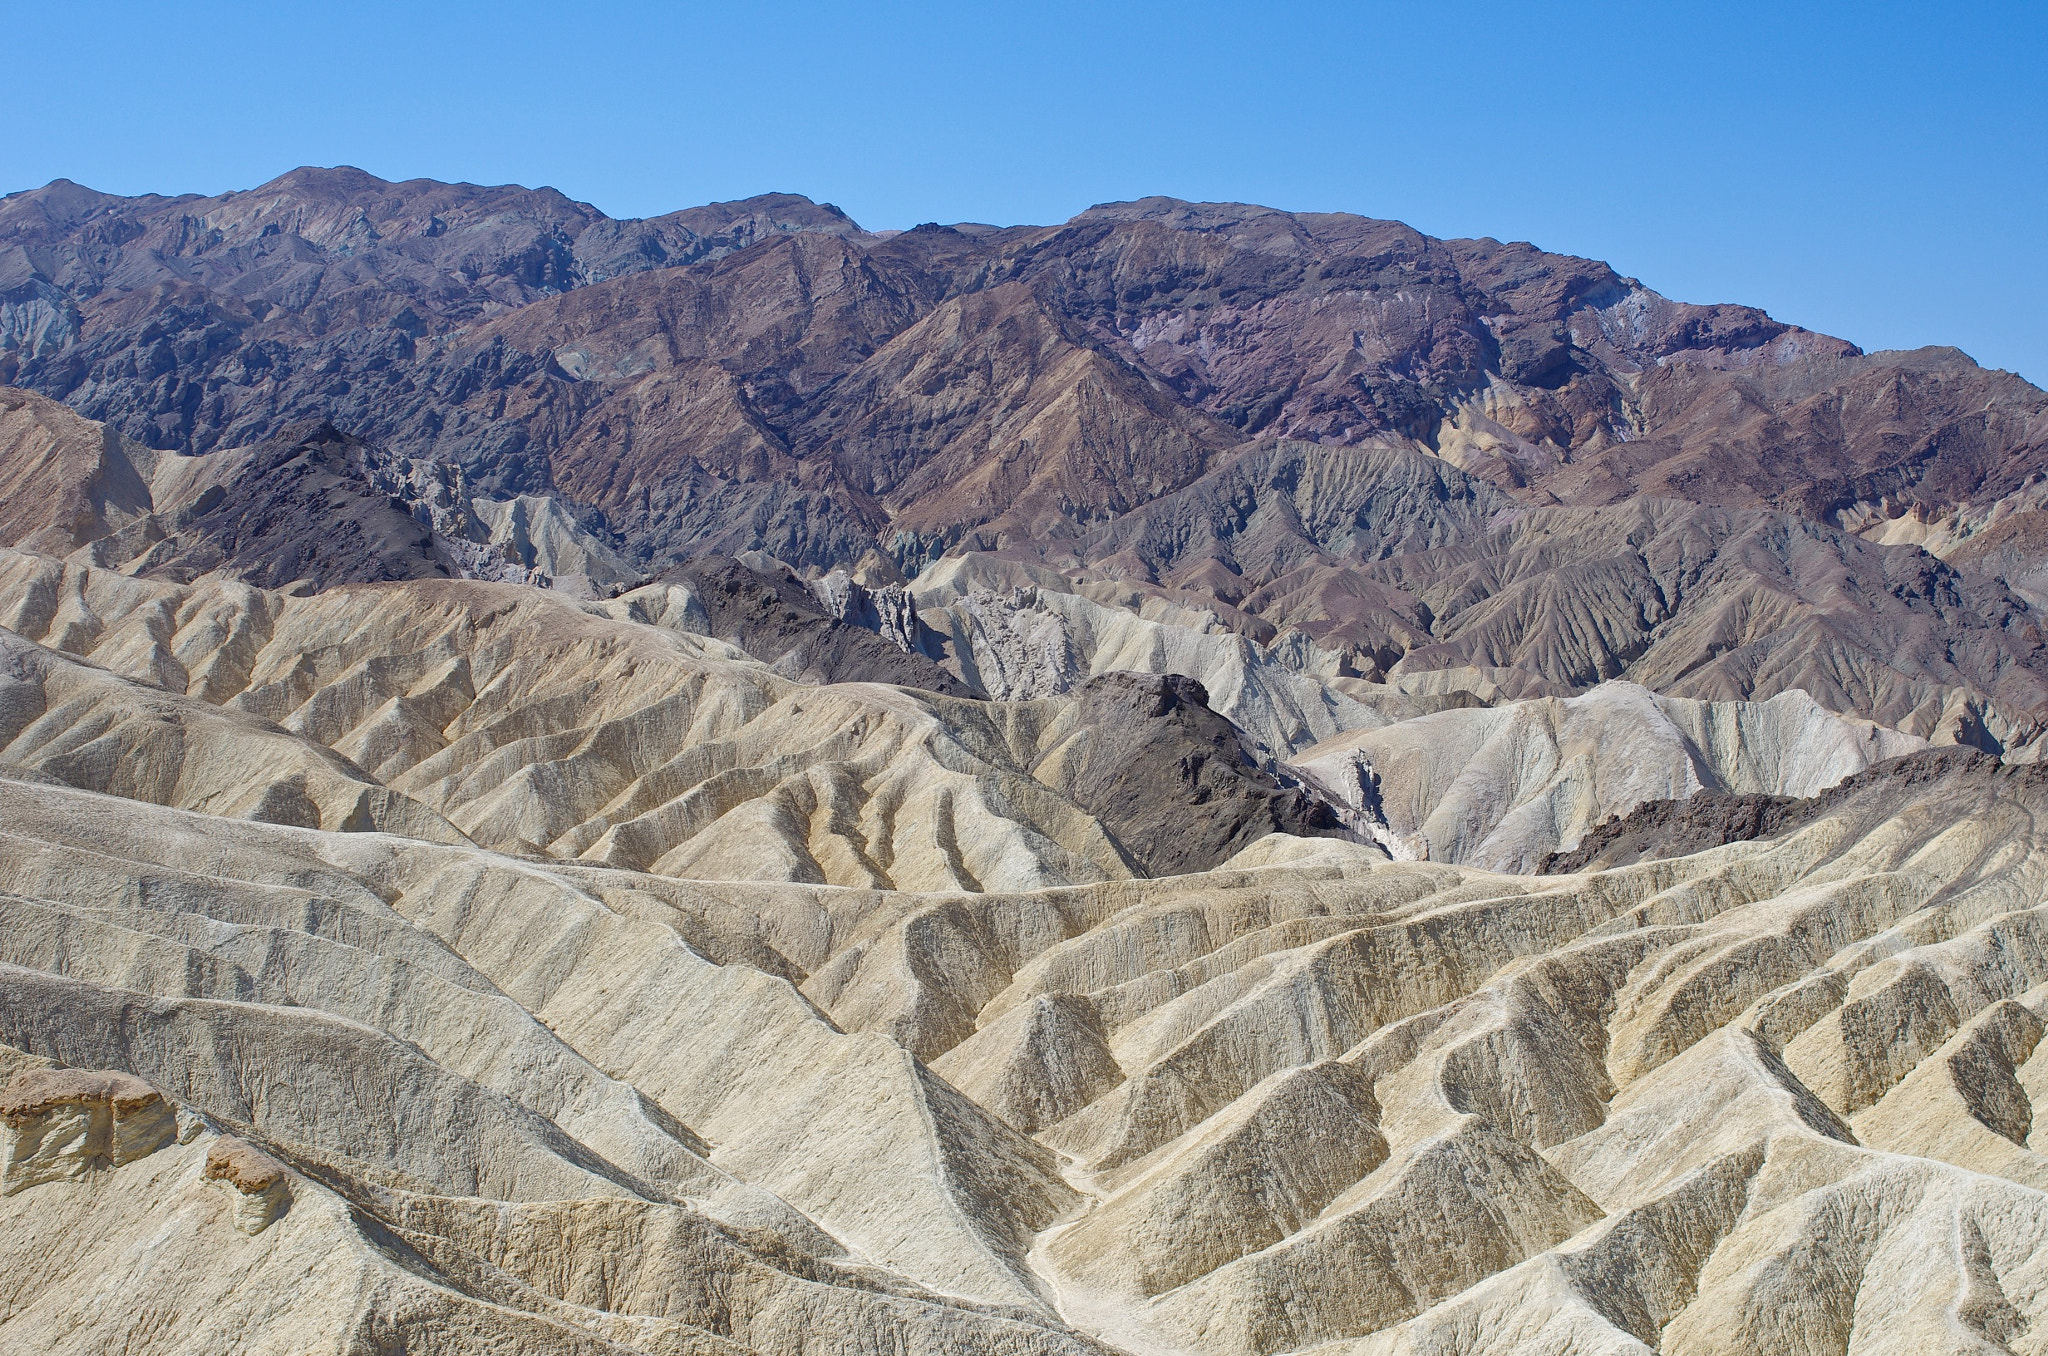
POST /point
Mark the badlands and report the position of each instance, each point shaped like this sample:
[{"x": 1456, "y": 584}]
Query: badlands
[{"x": 664, "y": 881}]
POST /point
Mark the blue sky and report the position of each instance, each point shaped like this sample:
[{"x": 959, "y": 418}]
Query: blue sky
[{"x": 1878, "y": 171}]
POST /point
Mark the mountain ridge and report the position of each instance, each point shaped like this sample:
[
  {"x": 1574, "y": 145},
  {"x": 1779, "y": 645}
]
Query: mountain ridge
[{"x": 544, "y": 347}]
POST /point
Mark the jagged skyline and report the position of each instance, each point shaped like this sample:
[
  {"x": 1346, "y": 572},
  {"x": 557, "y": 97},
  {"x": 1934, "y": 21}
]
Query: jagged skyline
[{"x": 1857, "y": 173}]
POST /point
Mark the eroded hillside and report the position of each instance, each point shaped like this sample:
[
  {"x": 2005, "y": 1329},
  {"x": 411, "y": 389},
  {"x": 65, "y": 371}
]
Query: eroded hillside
[{"x": 1198, "y": 782}]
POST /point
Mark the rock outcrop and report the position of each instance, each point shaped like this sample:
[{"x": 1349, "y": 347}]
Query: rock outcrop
[
  {"x": 64, "y": 1122},
  {"x": 771, "y": 615},
  {"x": 258, "y": 1182},
  {"x": 1170, "y": 779}
]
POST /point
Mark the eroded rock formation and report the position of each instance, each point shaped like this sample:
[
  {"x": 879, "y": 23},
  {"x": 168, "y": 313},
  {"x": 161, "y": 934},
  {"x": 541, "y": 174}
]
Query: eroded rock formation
[
  {"x": 1199, "y": 782},
  {"x": 64, "y": 1122}
]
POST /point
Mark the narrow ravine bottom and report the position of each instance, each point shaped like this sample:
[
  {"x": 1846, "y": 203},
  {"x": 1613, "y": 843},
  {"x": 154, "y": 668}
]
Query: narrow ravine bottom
[{"x": 1104, "y": 1317}]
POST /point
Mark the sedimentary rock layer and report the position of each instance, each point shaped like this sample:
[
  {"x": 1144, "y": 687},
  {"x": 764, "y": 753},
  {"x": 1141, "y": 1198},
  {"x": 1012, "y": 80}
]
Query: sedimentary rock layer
[{"x": 1310, "y": 1097}]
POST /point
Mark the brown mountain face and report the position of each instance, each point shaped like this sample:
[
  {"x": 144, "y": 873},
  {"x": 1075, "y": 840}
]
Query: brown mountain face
[
  {"x": 64, "y": 481},
  {"x": 765, "y": 374},
  {"x": 1170, "y": 778},
  {"x": 777, "y": 620},
  {"x": 311, "y": 507}
]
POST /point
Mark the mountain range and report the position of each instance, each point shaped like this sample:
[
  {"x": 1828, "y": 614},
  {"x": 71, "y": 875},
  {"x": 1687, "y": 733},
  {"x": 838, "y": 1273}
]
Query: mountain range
[{"x": 1198, "y": 780}]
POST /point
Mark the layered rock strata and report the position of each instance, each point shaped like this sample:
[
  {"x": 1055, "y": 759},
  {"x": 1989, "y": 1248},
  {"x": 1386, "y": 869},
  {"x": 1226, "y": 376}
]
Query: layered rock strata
[
  {"x": 64, "y": 1122},
  {"x": 258, "y": 1182}
]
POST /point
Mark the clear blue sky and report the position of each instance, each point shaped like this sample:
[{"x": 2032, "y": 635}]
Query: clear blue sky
[{"x": 1878, "y": 171}]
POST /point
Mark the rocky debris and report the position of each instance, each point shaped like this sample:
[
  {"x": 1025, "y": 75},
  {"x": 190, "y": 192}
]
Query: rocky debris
[
  {"x": 258, "y": 1182},
  {"x": 531, "y": 539},
  {"x": 1352, "y": 786},
  {"x": 59, "y": 1123},
  {"x": 1173, "y": 781},
  {"x": 1012, "y": 648},
  {"x": 536, "y": 539},
  {"x": 771, "y": 615}
]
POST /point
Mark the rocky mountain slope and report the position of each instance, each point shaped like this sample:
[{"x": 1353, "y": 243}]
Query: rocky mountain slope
[
  {"x": 1504, "y": 787},
  {"x": 766, "y": 375},
  {"x": 1198, "y": 782},
  {"x": 1290, "y": 564}
]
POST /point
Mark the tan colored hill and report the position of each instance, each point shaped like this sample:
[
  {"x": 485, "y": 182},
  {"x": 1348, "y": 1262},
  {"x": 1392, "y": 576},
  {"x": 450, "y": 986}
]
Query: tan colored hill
[
  {"x": 64, "y": 481},
  {"x": 544, "y": 725},
  {"x": 806, "y": 1010},
  {"x": 1506, "y": 786},
  {"x": 1312, "y": 1098}
]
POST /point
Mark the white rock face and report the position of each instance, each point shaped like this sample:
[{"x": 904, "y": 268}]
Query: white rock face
[
  {"x": 1023, "y": 633},
  {"x": 1502, "y": 787},
  {"x": 535, "y": 535}
]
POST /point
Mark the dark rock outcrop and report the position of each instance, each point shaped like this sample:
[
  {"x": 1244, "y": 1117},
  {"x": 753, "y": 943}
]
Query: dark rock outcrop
[
  {"x": 1674, "y": 828},
  {"x": 1173, "y": 781},
  {"x": 773, "y": 617},
  {"x": 1660, "y": 829},
  {"x": 302, "y": 507}
]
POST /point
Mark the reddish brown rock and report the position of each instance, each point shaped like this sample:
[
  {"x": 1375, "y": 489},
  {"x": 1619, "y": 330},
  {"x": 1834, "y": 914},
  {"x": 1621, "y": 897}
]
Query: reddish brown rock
[
  {"x": 242, "y": 1166},
  {"x": 765, "y": 374},
  {"x": 36, "y": 1092},
  {"x": 57, "y": 1123}
]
